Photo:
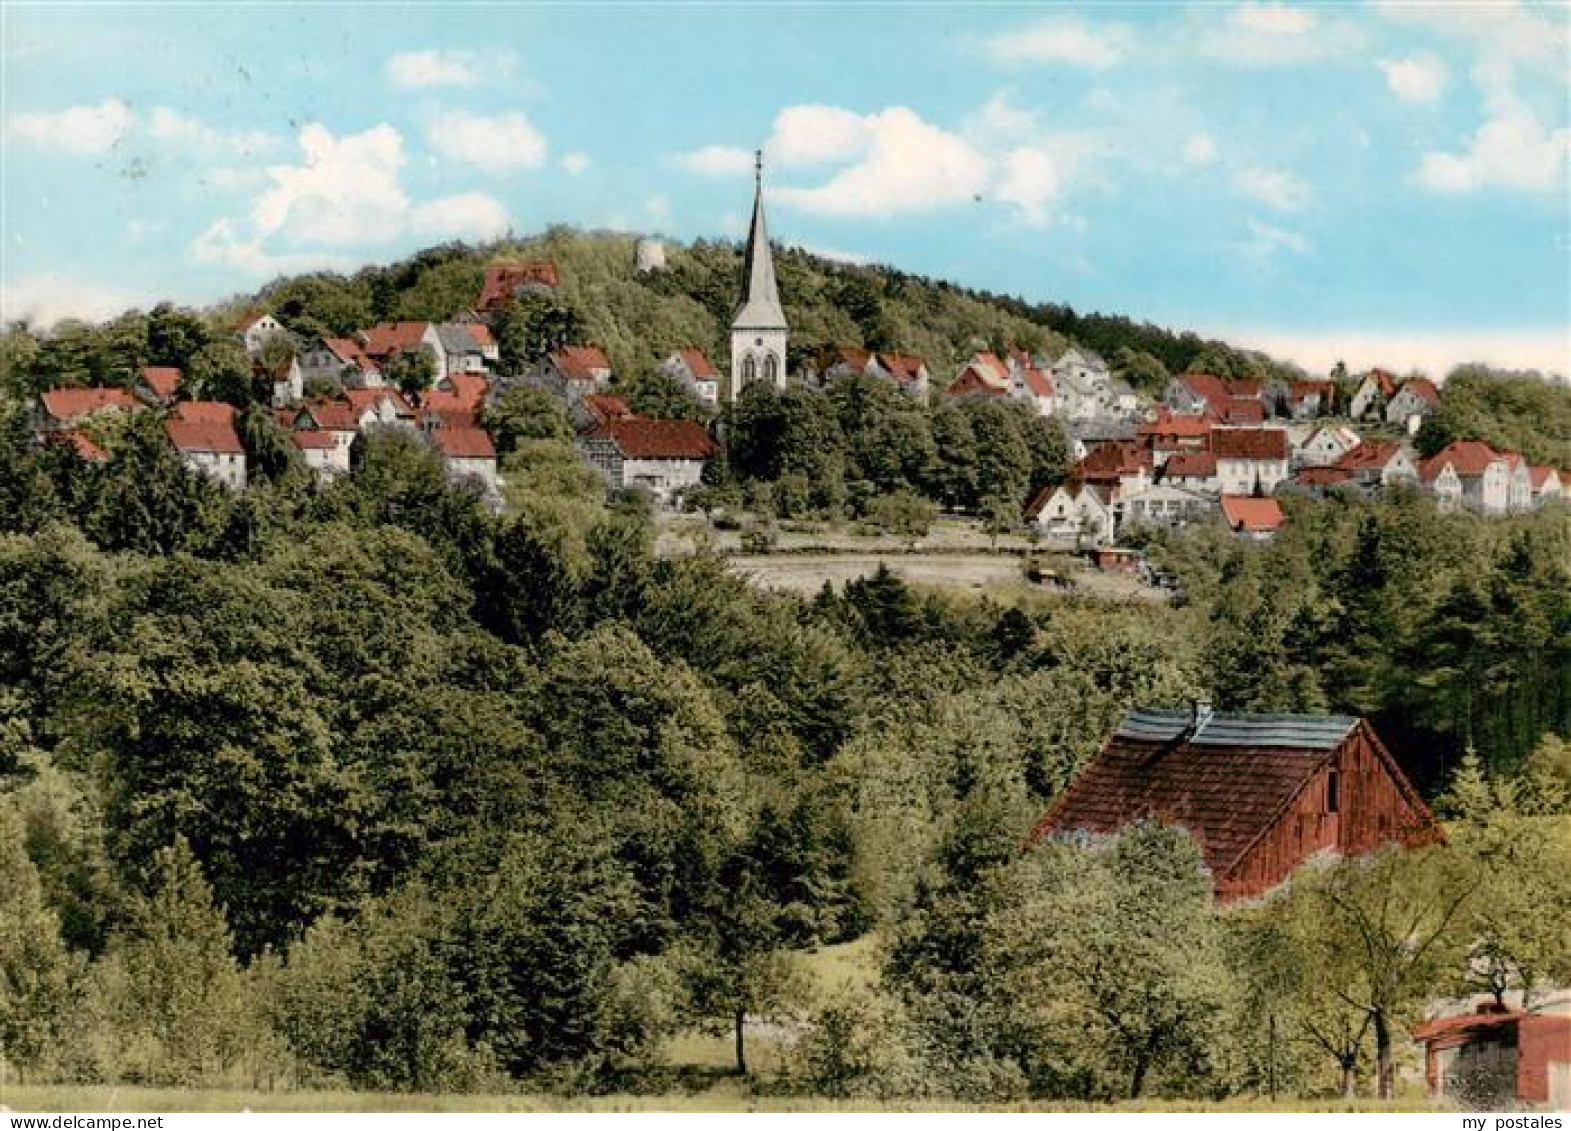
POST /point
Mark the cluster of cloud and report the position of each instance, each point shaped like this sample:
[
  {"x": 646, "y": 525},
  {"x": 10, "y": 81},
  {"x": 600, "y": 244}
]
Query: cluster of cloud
[
  {"x": 422, "y": 70},
  {"x": 1064, "y": 39},
  {"x": 92, "y": 131}
]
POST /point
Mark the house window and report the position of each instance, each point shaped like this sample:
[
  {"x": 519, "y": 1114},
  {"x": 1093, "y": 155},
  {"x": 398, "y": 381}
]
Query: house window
[{"x": 1333, "y": 784}]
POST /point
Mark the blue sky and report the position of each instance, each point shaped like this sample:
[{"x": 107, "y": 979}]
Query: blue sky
[{"x": 1379, "y": 182}]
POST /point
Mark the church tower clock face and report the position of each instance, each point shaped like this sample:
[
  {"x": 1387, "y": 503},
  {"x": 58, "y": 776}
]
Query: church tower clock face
[{"x": 758, "y": 327}]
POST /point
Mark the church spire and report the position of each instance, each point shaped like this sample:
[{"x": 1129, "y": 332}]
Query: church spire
[{"x": 759, "y": 307}]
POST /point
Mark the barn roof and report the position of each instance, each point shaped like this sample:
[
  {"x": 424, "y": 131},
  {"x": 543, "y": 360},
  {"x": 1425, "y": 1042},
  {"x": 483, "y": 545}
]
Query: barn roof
[{"x": 1225, "y": 782}]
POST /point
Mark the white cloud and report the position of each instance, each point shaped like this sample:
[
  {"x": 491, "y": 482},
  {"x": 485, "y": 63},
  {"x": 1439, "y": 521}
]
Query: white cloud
[
  {"x": 1264, "y": 35},
  {"x": 43, "y": 300},
  {"x": 500, "y": 143},
  {"x": 910, "y": 165},
  {"x": 205, "y": 141},
  {"x": 1063, "y": 39},
  {"x": 1031, "y": 181},
  {"x": 813, "y": 135},
  {"x": 1512, "y": 150},
  {"x": 1420, "y": 78},
  {"x": 465, "y": 216},
  {"x": 415, "y": 70},
  {"x": 81, "y": 130},
  {"x": 1000, "y": 122},
  {"x": 1200, "y": 149},
  {"x": 574, "y": 163},
  {"x": 1265, "y": 240},
  {"x": 1282, "y": 191},
  {"x": 717, "y": 161}
]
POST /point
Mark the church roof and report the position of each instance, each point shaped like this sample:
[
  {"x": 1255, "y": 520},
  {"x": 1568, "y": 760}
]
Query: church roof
[{"x": 759, "y": 307}]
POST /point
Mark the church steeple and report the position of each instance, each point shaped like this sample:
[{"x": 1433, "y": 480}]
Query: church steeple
[{"x": 758, "y": 328}]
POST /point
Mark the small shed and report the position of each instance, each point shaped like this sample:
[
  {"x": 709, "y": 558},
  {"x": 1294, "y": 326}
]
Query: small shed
[
  {"x": 1115, "y": 559},
  {"x": 1497, "y": 1058}
]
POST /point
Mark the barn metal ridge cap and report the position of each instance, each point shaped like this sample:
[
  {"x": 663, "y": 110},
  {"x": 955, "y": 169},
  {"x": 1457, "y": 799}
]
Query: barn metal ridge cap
[{"x": 1305, "y": 732}]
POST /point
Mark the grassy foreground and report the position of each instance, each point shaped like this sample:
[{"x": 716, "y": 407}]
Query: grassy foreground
[{"x": 727, "y": 1097}]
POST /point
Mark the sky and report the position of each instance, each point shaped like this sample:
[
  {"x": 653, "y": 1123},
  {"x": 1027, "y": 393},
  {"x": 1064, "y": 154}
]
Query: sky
[{"x": 1379, "y": 183}]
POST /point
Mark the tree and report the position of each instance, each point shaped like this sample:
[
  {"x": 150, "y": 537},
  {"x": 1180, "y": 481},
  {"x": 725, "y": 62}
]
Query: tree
[
  {"x": 412, "y": 372},
  {"x": 37, "y": 975},
  {"x": 220, "y": 370},
  {"x": 529, "y": 327},
  {"x": 522, "y": 413},
  {"x": 653, "y": 393}
]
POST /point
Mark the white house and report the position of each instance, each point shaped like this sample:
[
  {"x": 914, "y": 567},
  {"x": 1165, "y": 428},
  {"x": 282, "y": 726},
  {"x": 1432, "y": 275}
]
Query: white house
[
  {"x": 1194, "y": 472},
  {"x": 1440, "y": 479},
  {"x": 203, "y": 432},
  {"x": 255, "y": 329},
  {"x": 1485, "y": 475},
  {"x": 1327, "y": 446},
  {"x": 574, "y": 372},
  {"x": 1029, "y": 384},
  {"x": 696, "y": 373},
  {"x": 908, "y": 371},
  {"x": 1072, "y": 512},
  {"x": 1547, "y": 485},
  {"x": 1416, "y": 399},
  {"x": 1373, "y": 394},
  {"x": 663, "y": 457},
  {"x": 387, "y": 340},
  {"x": 323, "y": 453},
  {"x": 468, "y": 454},
  {"x": 1377, "y": 464},
  {"x": 462, "y": 350},
  {"x": 1249, "y": 459}
]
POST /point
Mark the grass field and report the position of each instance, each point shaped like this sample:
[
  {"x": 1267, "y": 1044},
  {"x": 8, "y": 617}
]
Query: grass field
[{"x": 730, "y": 1096}]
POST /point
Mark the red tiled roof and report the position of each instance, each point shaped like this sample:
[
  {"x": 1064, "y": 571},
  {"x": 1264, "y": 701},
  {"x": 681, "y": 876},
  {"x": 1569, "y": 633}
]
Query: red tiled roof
[
  {"x": 481, "y": 333},
  {"x": 1303, "y": 390},
  {"x": 1238, "y": 410},
  {"x": 1214, "y": 389},
  {"x": 79, "y": 443},
  {"x": 972, "y": 380},
  {"x": 335, "y": 416},
  {"x": 580, "y": 362},
  {"x": 69, "y": 404},
  {"x": 458, "y": 397},
  {"x": 1370, "y": 455},
  {"x": 1039, "y": 384},
  {"x": 346, "y": 350},
  {"x": 1190, "y": 465},
  {"x": 1249, "y": 443},
  {"x": 502, "y": 280},
  {"x": 1176, "y": 425},
  {"x": 1385, "y": 381},
  {"x": 1039, "y": 500},
  {"x": 903, "y": 367},
  {"x": 849, "y": 356},
  {"x": 1539, "y": 474},
  {"x": 1244, "y": 512},
  {"x": 308, "y": 439},
  {"x": 394, "y": 337},
  {"x": 1112, "y": 460},
  {"x": 603, "y": 407},
  {"x": 164, "y": 380},
  {"x": 1423, "y": 388},
  {"x": 1470, "y": 457},
  {"x": 205, "y": 435},
  {"x": 991, "y": 368},
  {"x": 205, "y": 412},
  {"x": 699, "y": 365},
  {"x": 1322, "y": 476},
  {"x": 361, "y": 399},
  {"x": 463, "y": 443},
  {"x": 638, "y": 438}
]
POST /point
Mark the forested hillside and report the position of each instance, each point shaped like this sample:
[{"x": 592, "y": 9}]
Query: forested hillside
[
  {"x": 1518, "y": 412},
  {"x": 364, "y": 785},
  {"x": 638, "y": 319}
]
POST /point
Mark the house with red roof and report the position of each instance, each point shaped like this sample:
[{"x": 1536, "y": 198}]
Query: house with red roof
[
  {"x": 1168, "y": 433},
  {"x": 469, "y": 456},
  {"x": 342, "y": 360},
  {"x": 1548, "y": 484},
  {"x": 662, "y": 457},
  {"x": 463, "y": 348},
  {"x": 1319, "y": 481},
  {"x": 599, "y": 408},
  {"x": 984, "y": 375},
  {"x": 1309, "y": 399},
  {"x": 1252, "y": 518},
  {"x": 1484, "y": 476},
  {"x": 1496, "y": 1058},
  {"x": 158, "y": 384},
  {"x": 1260, "y": 794},
  {"x": 1192, "y": 471},
  {"x": 1250, "y": 459},
  {"x": 696, "y": 373},
  {"x": 908, "y": 371},
  {"x": 203, "y": 432},
  {"x": 1073, "y": 512},
  {"x": 256, "y": 328},
  {"x": 78, "y": 444},
  {"x": 1416, "y": 399},
  {"x": 1378, "y": 464},
  {"x": 456, "y": 399},
  {"x": 509, "y": 280},
  {"x": 1439, "y": 479},
  {"x": 1327, "y": 445},
  {"x": 574, "y": 372},
  {"x": 1033, "y": 386},
  {"x": 1195, "y": 393},
  {"x": 386, "y": 341},
  {"x": 1373, "y": 394},
  {"x": 63, "y": 409},
  {"x": 388, "y": 408},
  {"x": 1117, "y": 468}
]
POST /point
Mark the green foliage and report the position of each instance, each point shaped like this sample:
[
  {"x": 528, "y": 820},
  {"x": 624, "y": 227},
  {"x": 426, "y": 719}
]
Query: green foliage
[
  {"x": 524, "y": 412},
  {"x": 1520, "y": 412}
]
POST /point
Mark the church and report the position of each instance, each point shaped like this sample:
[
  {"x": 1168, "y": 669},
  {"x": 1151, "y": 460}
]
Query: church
[{"x": 758, "y": 328}]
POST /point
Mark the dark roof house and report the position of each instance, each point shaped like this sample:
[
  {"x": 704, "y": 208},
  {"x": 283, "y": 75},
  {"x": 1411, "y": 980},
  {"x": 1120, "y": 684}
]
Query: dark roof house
[{"x": 1259, "y": 793}]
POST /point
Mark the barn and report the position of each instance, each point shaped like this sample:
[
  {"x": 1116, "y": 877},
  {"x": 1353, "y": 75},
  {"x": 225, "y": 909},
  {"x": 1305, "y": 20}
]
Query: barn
[{"x": 1259, "y": 793}]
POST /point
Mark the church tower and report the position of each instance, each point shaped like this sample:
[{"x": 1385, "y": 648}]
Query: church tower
[{"x": 758, "y": 329}]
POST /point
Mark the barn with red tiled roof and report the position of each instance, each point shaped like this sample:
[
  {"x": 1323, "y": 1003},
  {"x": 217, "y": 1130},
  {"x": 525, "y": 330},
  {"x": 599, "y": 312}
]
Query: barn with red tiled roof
[
  {"x": 1259, "y": 793},
  {"x": 663, "y": 457}
]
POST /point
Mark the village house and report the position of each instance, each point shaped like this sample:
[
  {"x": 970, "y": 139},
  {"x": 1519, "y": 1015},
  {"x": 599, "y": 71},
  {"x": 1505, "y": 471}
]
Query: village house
[
  {"x": 1169, "y": 433},
  {"x": 696, "y": 373},
  {"x": 1029, "y": 384},
  {"x": 1416, "y": 399},
  {"x": 456, "y": 400},
  {"x": 340, "y": 360},
  {"x": 1195, "y": 393},
  {"x": 663, "y": 457},
  {"x": 60, "y": 410},
  {"x": 1318, "y": 481},
  {"x": 285, "y": 379},
  {"x": 983, "y": 375},
  {"x": 1251, "y": 518},
  {"x": 381, "y": 408},
  {"x": 203, "y": 432},
  {"x": 1249, "y": 460},
  {"x": 1547, "y": 484},
  {"x": 469, "y": 456},
  {"x": 1192, "y": 471},
  {"x": 573, "y": 372},
  {"x": 1118, "y": 468},
  {"x": 1085, "y": 436},
  {"x": 908, "y": 371},
  {"x": 332, "y": 425},
  {"x": 158, "y": 385},
  {"x": 1484, "y": 476},
  {"x": 1379, "y": 465},
  {"x": 1372, "y": 396},
  {"x": 1326, "y": 446},
  {"x": 836, "y": 363},
  {"x": 1072, "y": 512},
  {"x": 388, "y": 340},
  {"x": 1165, "y": 506},
  {"x": 1259, "y": 793},
  {"x": 1309, "y": 399},
  {"x": 1085, "y": 387},
  {"x": 462, "y": 348},
  {"x": 322, "y": 453},
  {"x": 256, "y": 329},
  {"x": 505, "y": 282},
  {"x": 1496, "y": 1058}
]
